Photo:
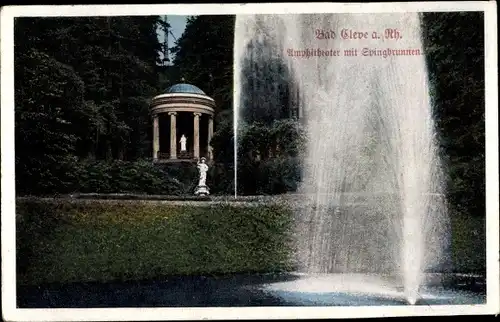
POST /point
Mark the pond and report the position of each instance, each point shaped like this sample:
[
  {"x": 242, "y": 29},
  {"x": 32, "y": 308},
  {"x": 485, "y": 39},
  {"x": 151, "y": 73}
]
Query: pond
[{"x": 244, "y": 290}]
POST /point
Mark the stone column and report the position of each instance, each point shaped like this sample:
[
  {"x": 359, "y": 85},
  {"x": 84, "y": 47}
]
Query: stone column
[
  {"x": 196, "y": 135},
  {"x": 156, "y": 137},
  {"x": 210, "y": 135},
  {"x": 173, "y": 135}
]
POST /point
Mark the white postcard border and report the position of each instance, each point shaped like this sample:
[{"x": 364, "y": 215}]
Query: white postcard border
[{"x": 10, "y": 312}]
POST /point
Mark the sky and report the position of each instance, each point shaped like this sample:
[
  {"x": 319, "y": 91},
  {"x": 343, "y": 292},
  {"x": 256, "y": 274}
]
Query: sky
[{"x": 177, "y": 24}]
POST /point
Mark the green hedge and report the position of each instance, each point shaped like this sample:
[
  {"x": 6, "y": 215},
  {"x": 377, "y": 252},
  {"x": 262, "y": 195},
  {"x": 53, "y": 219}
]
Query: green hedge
[
  {"x": 89, "y": 240},
  {"x": 61, "y": 241},
  {"x": 468, "y": 243}
]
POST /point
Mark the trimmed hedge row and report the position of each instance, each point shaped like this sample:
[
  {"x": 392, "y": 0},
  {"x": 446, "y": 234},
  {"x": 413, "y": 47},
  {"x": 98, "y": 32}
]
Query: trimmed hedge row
[
  {"x": 89, "y": 240},
  {"x": 61, "y": 241}
]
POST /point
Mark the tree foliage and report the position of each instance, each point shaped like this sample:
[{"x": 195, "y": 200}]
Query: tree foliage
[
  {"x": 204, "y": 56},
  {"x": 454, "y": 44},
  {"x": 82, "y": 91}
]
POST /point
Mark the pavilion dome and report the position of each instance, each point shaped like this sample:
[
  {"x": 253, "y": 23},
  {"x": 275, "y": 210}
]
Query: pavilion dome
[{"x": 184, "y": 88}]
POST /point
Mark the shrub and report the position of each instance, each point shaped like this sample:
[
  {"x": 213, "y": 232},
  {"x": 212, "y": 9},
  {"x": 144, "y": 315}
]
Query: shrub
[
  {"x": 271, "y": 176},
  {"x": 136, "y": 177}
]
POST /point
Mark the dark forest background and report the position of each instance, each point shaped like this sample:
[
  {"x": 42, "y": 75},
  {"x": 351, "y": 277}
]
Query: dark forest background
[{"x": 83, "y": 87}]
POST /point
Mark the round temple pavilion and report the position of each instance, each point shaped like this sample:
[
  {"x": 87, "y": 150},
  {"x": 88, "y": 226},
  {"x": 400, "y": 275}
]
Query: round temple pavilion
[{"x": 182, "y": 124}]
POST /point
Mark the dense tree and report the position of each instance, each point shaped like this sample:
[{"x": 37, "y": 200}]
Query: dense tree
[
  {"x": 454, "y": 43},
  {"x": 116, "y": 59},
  {"x": 268, "y": 87},
  {"x": 49, "y": 97},
  {"x": 86, "y": 83},
  {"x": 204, "y": 56}
]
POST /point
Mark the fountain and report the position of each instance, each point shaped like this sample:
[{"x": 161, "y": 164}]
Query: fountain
[{"x": 372, "y": 186}]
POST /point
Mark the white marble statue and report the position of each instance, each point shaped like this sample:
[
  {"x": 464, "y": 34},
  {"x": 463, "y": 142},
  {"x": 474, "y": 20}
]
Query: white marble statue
[
  {"x": 183, "y": 142},
  {"x": 202, "y": 168}
]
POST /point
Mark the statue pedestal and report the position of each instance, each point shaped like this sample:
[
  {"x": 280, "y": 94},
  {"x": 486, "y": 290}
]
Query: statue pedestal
[
  {"x": 184, "y": 155},
  {"x": 202, "y": 191}
]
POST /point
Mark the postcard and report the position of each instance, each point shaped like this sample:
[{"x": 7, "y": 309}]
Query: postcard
[{"x": 249, "y": 161}]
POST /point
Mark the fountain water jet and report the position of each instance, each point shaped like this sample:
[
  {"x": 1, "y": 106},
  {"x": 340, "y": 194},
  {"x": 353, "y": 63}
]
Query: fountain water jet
[{"x": 372, "y": 176}]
